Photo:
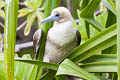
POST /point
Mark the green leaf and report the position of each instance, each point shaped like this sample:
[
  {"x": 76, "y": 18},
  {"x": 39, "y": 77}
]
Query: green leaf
[
  {"x": 84, "y": 3},
  {"x": 110, "y": 5},
  {"x": 24, "y": 11},
  {"x": 102, "y": 18},
  {"x": 100, "y": 63},
  {"x": 21, "y": 70},
  {"x": 48, "y": 75},
  {"x": 111, "y": 19},
  {"x": 41, "y": 64},
  {"x": 30, "y": 20},
  {"x": 88, "y": 11},
  {"x": 43, "y": 40},
  {"x": 11, "y": 14},
  {"x": 69, "y": 68},
  {"x": 88, "y": 14},
  {"x": 56, "y": 3},
  {"x": 96, "y": 50},
  {"x": 93, "y": 44},
  {"x": 29, "y": 4},
  {"x": 2, "y": 68},
  {"x": 33, "y": 72},
  {"x": 81, "y": 27},
  {"x": 118, "y": 36},
  {"x": 104, "y": 66},
  {"x": 101, "y": 58},
  {"x": 111, "y": 50},
  {"x": 74, "y": 5},
  {"x": 2, "y": 3},
  {"x": 45, "y": 28},
  {"x": 34, "y": 4},
  {"x": 2, "y": 14},
  {"x": 87, "y": 26},
  {"x": 94, "y": 23},
  {"x": 39, "y": 17}
]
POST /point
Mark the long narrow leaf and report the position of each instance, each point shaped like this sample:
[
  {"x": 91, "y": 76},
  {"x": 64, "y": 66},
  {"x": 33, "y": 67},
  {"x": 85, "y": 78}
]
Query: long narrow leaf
[
  {"x": 100, "y": 58},
  {"x": 95, "y": 63},
  {"x": 105, "y": 66},
  {"x": 96, "y": 49},
  {"x": 11, "y": 12},
  {"x": 109, "y": 4},
  {"x": 118, "y": 36},
  {"x": 95, "y": 24},
  {"x": 93, "y": 42},
  {"x": 33, "y": 73},
  {"x": 49, "y": 6},
  {"x": 42, "y": 64},
  {"x": 45, "y": 29},
  {"x": 69, "y": 68},
  {"x": 30, "y": 20},
  {"x": 88, "y": 14}
]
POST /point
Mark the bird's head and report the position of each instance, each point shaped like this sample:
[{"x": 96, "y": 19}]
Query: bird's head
[{"x": 60, "y": 14}]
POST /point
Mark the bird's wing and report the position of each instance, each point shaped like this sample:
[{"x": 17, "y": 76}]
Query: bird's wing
[
  {"x": 78, "y": 37},
  {"x": 36, "y": 41}
]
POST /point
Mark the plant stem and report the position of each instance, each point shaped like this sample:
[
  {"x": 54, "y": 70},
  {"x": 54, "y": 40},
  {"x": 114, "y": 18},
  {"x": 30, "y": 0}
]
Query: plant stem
[
  {"x": 11, "y": 12},
  {"x": 118, "y": 36}
]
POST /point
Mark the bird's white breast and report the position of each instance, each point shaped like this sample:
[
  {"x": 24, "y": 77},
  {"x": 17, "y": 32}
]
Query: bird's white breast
[
  {"x": 60, "y": 40},
  {"x": 62, "y": 33}
]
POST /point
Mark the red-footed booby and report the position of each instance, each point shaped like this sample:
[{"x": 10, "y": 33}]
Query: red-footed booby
[{"x": 61, "y": 38}]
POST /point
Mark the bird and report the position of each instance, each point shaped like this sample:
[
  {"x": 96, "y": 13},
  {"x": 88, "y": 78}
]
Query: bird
[{"x": 62, "y": 37}]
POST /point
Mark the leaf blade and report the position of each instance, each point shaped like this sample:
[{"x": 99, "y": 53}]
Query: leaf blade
[
  {"x": 41, "y": 64},
  {"x": 69, "y": 68},
  {"x": 92, "y": 42}
]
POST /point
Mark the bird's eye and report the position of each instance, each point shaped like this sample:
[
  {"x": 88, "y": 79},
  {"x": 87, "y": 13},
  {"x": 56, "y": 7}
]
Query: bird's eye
[{"x": 57, "y": 15}]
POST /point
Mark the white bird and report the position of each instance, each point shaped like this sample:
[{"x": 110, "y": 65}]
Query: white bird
[{"x": 61, "y": 38}]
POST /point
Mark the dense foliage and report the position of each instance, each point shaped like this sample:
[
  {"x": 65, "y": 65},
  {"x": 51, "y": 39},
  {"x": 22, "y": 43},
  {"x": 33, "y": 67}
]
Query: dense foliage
[{"x": 97, "y": 58}]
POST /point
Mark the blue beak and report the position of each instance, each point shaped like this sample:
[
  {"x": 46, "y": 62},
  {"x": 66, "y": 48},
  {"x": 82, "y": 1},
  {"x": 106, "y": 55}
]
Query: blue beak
[{"x": 50, "y": 18}]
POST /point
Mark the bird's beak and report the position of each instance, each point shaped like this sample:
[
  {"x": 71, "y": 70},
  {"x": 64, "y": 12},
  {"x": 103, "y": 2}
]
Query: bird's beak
[{"x": 49, "y": 18}]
